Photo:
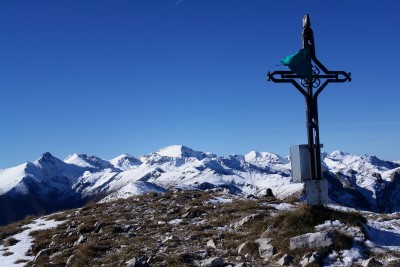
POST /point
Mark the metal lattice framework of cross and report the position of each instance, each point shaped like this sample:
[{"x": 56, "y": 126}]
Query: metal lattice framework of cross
[{"x": 310, "y": 89}]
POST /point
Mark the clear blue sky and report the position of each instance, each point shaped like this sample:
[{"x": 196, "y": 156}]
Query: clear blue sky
[{"x": 112, "y": 77}]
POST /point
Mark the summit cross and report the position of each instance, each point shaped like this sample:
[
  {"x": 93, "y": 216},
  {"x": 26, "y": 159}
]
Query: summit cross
[{"x": 313, "y": 77}]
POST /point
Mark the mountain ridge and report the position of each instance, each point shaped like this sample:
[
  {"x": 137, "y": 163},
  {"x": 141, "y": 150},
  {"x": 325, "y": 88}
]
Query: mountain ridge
[{"x": 52, "y": 184}]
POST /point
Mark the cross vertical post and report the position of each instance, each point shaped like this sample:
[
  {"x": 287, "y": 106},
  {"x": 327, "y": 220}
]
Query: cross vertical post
[{"x": 310, "y": 76}]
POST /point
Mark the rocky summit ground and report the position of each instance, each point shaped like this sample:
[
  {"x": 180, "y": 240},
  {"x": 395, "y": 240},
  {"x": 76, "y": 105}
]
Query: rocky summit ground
[{"x": 203, "y": 228}]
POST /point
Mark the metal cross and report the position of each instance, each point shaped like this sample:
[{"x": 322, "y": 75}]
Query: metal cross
[{"x": 306, "y": 88}]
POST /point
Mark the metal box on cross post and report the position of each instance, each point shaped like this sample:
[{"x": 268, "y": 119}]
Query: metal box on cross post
[
  {"x": 300, "y": 162},
  {"x": 316, "y": 192}
]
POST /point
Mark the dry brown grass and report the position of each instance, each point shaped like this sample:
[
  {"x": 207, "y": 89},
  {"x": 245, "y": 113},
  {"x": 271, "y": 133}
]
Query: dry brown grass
[
  {"x": 176, "y": 261},
  {"x": 303, "y": 220},
  {"x": 42, "y": 239},
  {"x": 394, "y": 263},
  {"x": 11, "y": 241},
  {"x": 250, "y": 248},
  {"x": 20, "y": 261},
  {"x": 15, "y": 228},
  {"x": 202, "y": 220},
  {"x": 7, "y": 253}
]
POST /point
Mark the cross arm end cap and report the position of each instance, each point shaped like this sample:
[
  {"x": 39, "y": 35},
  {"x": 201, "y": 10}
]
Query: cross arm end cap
[{"x": 269, "y": 76}]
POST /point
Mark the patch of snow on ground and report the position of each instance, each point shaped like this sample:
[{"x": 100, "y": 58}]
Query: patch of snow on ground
[
  {"x": 220, "y": 200},
  {"x": 280, "y": 206},
  {"x": 175, "y": 222},
  {"x": 345, "y": 258},
  {"x": 329, "y": 224},
  {"x": 337, "y": 225},
  {"x": 341, "y": 208},
  {"x": 25, "y": 243},
  {"x": 384, "y": 234}
]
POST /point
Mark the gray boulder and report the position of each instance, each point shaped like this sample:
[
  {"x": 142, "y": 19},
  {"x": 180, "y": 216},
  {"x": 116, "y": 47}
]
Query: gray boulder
[
  {"x": 311, "y": 259},
  {"x": 213, "y": 262},
  {"x": 244, "y": 220},
  {"x": 371, "y": 262},
  {"x": 312, "y": 240},
  {"x": 286, "y": 260},
  {"x": 265, "y": 248},
  {"x": 241, "y": 247},
  {"x": 82, "y": 239},
  {"x": 211, "y": 244},
  {"x": 132, "y": 262}
]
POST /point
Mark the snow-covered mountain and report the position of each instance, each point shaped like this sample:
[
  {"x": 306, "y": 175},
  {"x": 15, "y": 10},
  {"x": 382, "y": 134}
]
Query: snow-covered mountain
[
  {"x": 372, "y": 182},
  {"x": 50, "y": 184}
]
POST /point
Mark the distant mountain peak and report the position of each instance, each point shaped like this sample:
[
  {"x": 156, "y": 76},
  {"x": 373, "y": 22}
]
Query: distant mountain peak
[
  {"x": 85, "y": 161},
  {"x": 254, "y": 156},
  {"x": 180, "y": 151},
  {"x": 45, "y": 156},
  {"x": 125, "y": 162},
  {"x": 47, "y": 160},
  {"x": 337, "y": 154},
  {"x": 174, "y": 151}
]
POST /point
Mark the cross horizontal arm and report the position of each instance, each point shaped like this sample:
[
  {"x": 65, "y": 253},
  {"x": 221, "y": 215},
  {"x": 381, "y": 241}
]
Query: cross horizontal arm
[
  {"x": 346, "y": 76},
  {"x": 270, "y": 77},
  {"x": 333, "y": 76}
]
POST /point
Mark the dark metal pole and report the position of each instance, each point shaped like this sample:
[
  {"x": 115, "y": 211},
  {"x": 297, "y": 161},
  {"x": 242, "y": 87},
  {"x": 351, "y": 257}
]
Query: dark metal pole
[
  {"x": 310, "y": 130},
  {"x": 317, "y": 142}
]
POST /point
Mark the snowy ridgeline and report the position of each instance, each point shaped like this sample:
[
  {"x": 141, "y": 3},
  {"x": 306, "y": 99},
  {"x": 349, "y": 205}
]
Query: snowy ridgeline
[{"x": 363, "y": 182}]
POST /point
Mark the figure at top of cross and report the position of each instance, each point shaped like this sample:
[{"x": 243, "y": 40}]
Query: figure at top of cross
[{"x": 307, "y": 35}]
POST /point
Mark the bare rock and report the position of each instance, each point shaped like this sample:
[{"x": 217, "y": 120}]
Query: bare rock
[
  {"x": 211, "y": 244},
  {"x": 73, "y": 224},
  {"x": 311, "y": 259},
  {"x": 149, "y": 260},
  {"x": 312, "y": 240},
  {"x": 378, "y": 177},
  {"x": 132, "y": 263},
  {"x": 97, "y": 227},
  {"x": 201, "y": 254},
  {"x": 286, "y": 260},
  {"x": 265, "y": 248},
  {"x": 243, "y": 264},
  {"x": 130, "y": 233},
  {"x": 82, "y": 239},
  {"x": 42, "y": 253},
  {"x": 247, "y": 219},
  {"x": 355, "y": 232},
  {"x": 139, "y": 262},
  {"x": 269, "y": 193},
  {"x": 371, "y": 262},
  {"x": 192, "y": 213},
  {"x": 186, "y": 257},
  {"x": 69, "y": 260},
  {"x": 213, "y": 262},
  {"x": 241, "y": 246}
]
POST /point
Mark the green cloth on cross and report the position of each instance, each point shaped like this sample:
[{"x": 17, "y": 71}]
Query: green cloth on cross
[{"x": 300, "y": 63}]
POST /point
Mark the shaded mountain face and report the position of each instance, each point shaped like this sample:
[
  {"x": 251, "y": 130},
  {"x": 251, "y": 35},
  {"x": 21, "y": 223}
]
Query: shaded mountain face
[{"x": 50, "y": 184}]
